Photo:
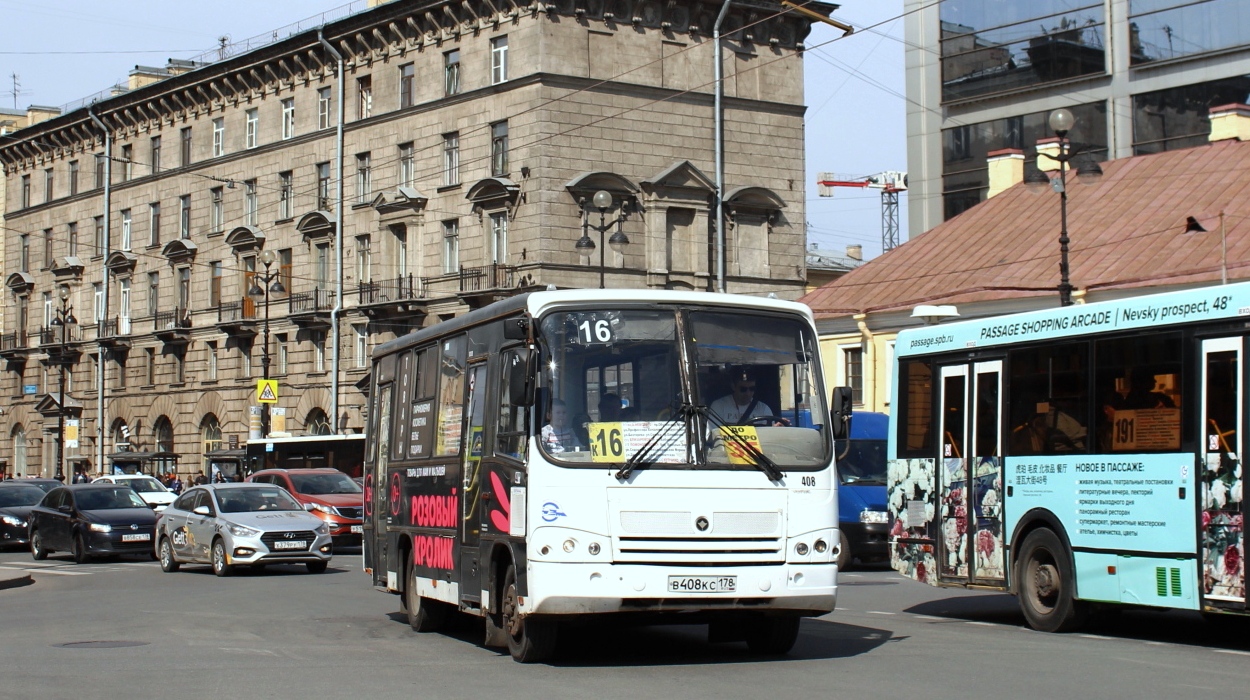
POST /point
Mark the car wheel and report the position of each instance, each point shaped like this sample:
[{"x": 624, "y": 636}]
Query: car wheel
[
  {"x": 169, "y": 564},
  {"x": 424, "y": 615},
  {"x": 36, "y": 546},
  {"x": 773, "y": 636},
  {"x": 220, "y": 567},
  {"x": 79, "y": 550},
  {"x": 317, "y": 567},
  {"x": 844, "y": 552},
  {"x": 529, "y": 640}
]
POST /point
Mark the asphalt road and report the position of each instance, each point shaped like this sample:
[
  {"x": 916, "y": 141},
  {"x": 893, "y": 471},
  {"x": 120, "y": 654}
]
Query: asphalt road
[{"x": 124, "y": 629}]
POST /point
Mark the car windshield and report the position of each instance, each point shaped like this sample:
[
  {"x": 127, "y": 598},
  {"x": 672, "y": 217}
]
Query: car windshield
[
  {"x": 318, "y": 484},
  {"x": 13, "y": 496},
  {"x": 249, "y": 500},
  {"x": 861, "y": 461},
  {"x": 148, "y": 485},
  {"x": 109, "y": 499}
]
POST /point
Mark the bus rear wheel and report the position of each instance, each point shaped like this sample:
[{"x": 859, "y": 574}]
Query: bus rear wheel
[
  {"x": 530, "y": 640},
  {"x": 1047, "y": 585}
]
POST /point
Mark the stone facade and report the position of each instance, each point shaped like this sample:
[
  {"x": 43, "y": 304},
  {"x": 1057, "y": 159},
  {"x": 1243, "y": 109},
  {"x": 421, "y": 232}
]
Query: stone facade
[{"x": 460, "y": 186}]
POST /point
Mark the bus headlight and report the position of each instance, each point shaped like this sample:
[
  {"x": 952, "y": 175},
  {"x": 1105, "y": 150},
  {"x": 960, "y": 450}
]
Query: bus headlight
[
  {"x": 570, "y": 545},
  {"x": 821, "y": 546},
  {"x": 801, "y": 549},
  {"x": 874, "y": 516},
  {"x": 593, "y": 548}
]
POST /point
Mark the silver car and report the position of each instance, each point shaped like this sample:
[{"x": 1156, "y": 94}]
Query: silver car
[{"x": 229, "y": 525}]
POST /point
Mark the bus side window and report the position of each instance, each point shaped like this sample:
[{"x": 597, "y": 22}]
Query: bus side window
[
  {"x": 1050, "y": 399},
  {"x": 510, "y": 430},
  {"x": 1139, "y": 381},
  {"x": 915, "y": 395}
]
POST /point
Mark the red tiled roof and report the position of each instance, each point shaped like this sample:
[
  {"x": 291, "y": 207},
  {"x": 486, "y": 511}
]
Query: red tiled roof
[{"x": 1126, "y": 231}]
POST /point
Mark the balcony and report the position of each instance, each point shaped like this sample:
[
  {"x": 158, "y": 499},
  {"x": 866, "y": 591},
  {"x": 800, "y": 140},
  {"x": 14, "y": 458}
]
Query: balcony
[
  {"x": 311, "y": 310},
  {"x": 475, "y": 286},
  {"x": 237, "y": 318},
  {"x": 51, "y": 335},
  {"x": 115, "y": 333},
  {"x": 14, "y": 346},
  {"x": 401, "y": 296},
  {"x": 173, "y": 326}
]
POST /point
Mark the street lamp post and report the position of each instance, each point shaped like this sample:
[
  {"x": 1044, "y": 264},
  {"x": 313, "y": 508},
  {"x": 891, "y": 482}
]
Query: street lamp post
[
  {"x": 602, "y": 200},
  {"x": 64, "y": 317},
  {"x": 264, "y": 284},
  {"x": 1061, "y": 121}
]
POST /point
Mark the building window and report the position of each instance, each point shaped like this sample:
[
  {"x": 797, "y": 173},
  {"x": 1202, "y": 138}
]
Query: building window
[
  {"x": 288, "y": 118},
  {"x": 321, "y": 266},
  {"x": 285, "y": 192},
  {"x": 249, "y": 202},
  {"x": 25, "y": 191},
  {"x": 364, "y": 178},
  {"x": 48, "y": 310},
  {"x": 323, "y": 108},
  {"x": 401, "y": 249},
  {"x": 284, "y": 269},
  {"x": 499, "y": 149},
  {"x": 98, "y": 235},
  {"x": 180, "y": 377},
  {"x": 154, "y": 214},
  {"x": 499, "y": 237},
  {"x": 451, "y": 246},
  {"x": 47, "y": 249},
  {"x": 154, "y": 155},
  {"x": 123, "y": 307},
  {"x": 214, "y": 285},
  {"x": 73, "y": 178},
  {"x": 73, "y": 239},
  {"x": 853, "y": 373},
  {"x": 407, "y": 165},
  {"x": 280, "y": 342},
  {"x": 498, "y": 60},
  {"x": 451, "y": 158},
  {"x": 451, "y": 72},
  {"x": 121, "y": 369},
  {"x": 252, "y": 126},
  {"x": 245, "y": 361},
  {"x": 319, "y": 352},
  {"x": 184, "y": 289},
  {"x": 219, "y": 136},
  {"x": 407, "y": 78},
  {"x": 128, "y": 163},
  {"x": 126, "y": 222},
  {"x": 25, "y": 260},
  {"x": 154, "y": 293},
  {"x": 100, "y": 166},
  {"x": 364, "y": 96},
  {"x": 150, "y": 367},
  {"x": 49, "y": 177},
  {"x": 184, "y": 146},
  {"x": 363, "y": 271},
  {"x": 323, "y": 185},
  {"x": 211, "y": 348},
  {"x": 216, "y": 212},
  {"x": 361, "y": 346},
  {"x": 184, "y": 217},
  {"x": 97, "y": 294}
]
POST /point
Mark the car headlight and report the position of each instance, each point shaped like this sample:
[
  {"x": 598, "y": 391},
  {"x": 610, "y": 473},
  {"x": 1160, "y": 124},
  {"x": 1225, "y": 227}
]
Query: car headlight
[
  {"x": 13, "y": 520},
  {"x": 874, "y": 516},
  {"x": 241, "y": 531},
  {"x": 322, "y": 529},
  {"x": 101, "y": 527},
  {"x": 321, "y": 508}
]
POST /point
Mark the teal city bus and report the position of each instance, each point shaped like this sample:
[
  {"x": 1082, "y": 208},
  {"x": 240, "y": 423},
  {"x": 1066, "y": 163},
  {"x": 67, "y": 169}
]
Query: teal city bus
[{"x": 1077, "y": 457}]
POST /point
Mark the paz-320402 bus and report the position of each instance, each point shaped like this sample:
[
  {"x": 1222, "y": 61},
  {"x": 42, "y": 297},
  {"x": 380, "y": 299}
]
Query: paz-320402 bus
[
  {"x": 569, "y": 453},
  {"x": 1078, "y": 457}
]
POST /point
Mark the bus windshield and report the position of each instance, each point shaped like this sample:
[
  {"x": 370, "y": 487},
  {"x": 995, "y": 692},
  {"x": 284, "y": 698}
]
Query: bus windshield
[{"x": 681, "y": 386}]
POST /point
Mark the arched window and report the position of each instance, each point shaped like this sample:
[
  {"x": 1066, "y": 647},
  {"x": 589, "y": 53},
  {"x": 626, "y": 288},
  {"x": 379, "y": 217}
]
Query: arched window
[
  {"x": 19, "y": 451},
  {"x": 317, "y": 423},
  {"x": 121, "y": 435},
  {"x": 163, "y": 444},
  {"x": 210, "y": 434}
]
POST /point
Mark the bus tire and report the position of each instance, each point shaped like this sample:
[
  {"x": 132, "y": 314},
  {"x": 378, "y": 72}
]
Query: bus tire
[
  {"x": 530, "y": 640},
  {"x": 1047, "y": 586},
  {"x": 844, "y": 552},
  {"x": 773, "y": 636},
  {"x": 424, "y": 615}
]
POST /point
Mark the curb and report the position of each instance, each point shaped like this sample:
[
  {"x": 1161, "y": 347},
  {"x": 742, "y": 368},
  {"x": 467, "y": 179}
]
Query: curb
[{"x": 16, "y": 582}]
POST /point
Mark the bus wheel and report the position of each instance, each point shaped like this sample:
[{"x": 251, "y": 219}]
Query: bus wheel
[
  {"x": 424, "y": 615},
  {"x": 1046, "y": 584},
  {"x": 529, "y": 640},
  {"x": 844, "y": 552},
  {"x": 773, "y": 636}
]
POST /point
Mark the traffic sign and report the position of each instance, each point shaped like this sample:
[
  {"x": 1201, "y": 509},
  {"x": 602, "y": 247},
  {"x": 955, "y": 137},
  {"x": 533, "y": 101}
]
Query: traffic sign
[{"x": 267, "y": 391}]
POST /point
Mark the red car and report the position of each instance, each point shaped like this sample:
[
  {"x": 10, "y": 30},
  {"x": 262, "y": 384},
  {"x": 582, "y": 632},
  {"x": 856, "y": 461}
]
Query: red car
[{"x": 328, "y": 494}]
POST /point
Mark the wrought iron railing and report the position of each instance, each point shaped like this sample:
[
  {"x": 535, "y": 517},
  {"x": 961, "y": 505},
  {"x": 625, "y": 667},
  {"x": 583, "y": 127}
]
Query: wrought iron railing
[
  {"x": 13, "y": 341},
  {"x": 242, "y": 310},
  {"x": 172, "y": 319},
  {"x": 316, "y": 300},
  {"x": 397, "y": 289}
]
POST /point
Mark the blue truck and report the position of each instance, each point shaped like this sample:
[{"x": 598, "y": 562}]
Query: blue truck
[{"x": 863, "y": 520}]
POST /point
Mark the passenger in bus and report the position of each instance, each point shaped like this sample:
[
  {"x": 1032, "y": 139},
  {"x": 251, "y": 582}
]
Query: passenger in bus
[
  {"x": 609, "y": 408},
  {"x": 558, "y": 435},
  {"x": 1038, "y": 436},
  {"x": 740, "y": 406}
]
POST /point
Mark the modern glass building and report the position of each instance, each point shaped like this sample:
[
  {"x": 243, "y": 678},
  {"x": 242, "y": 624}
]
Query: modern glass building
[{"x": 982, "y": 75}]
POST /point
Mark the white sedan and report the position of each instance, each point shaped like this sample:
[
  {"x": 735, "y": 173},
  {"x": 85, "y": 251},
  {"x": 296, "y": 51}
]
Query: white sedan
[{"x": 149, "y": 489}]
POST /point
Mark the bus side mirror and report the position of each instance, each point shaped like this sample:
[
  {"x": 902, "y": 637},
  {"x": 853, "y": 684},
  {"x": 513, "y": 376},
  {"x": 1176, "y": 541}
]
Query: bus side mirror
[
  {"x": 520, "y": 378},
  {"x": 841, "y": 412},
  {"x": 516, "y": 328}
]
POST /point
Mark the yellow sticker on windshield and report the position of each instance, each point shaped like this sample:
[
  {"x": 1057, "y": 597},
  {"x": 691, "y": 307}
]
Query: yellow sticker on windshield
[
  {"x": 735, "y": 436},
  {"x": 606, "y": 442}
]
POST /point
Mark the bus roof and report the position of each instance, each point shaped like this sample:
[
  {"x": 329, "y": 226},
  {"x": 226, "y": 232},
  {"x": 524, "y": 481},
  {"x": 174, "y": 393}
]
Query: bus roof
[
  {"x": 535, "y": 303},
  {"x": 1149, "y": 310}
]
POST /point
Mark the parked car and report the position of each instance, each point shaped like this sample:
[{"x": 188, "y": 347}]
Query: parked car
[
  {"x": 45, "y": 484},
  {"x": 16, "y": 501},
  {"x": 90, "y": 520},
  {"x": 149, "y": 489},
  {"x": 863, "y": 520},
  {"x": 327, "y": 493},
  {"x": 229, "y": 525}
]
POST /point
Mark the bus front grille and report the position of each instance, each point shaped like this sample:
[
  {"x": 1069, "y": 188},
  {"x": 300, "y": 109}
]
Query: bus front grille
[{"x": 698, "y": 550}]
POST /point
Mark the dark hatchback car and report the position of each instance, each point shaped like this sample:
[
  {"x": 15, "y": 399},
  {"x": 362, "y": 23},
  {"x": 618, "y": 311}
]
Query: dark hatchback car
[
  {"x": 90, "y": 520},
  {"x": 16, "y": 501},
  {"x": 45, "y": 485}
]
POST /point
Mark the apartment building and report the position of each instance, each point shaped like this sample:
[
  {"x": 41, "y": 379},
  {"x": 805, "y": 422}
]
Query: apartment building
[{"x": 473, "y": 136}]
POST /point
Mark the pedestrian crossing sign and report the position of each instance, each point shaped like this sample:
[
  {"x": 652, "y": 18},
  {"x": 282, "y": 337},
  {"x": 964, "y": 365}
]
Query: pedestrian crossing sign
[{"x": 267, "y": 391}]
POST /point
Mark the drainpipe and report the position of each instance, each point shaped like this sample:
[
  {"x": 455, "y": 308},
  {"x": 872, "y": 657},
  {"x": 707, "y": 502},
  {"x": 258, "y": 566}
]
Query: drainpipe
[
  {"x": 870, "y": 350},
  {"x": 338, "y": 243},
  {"x": 719, "y": 121},
  {"x": 104, "y": 287}
]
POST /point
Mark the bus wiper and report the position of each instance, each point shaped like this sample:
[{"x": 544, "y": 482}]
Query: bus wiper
[
  {"x": 644, "y": 453},
  {"x": 760, "y": 460}
]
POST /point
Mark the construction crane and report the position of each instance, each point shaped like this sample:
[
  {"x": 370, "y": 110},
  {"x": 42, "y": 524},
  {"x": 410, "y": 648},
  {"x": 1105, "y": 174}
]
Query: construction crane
[{"x": 890, "y": 182}]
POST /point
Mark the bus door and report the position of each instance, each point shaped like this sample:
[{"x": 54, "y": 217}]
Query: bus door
[
  {"x": 471, "y": 487},
  {"x": 1223, "y": 536},
  {"x": 970, "y": 482},
  {"x": 376, "y": 491}
]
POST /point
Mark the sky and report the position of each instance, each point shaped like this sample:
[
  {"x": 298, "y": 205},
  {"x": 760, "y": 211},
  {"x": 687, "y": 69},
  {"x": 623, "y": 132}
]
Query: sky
[{"x": 854, "y": 84}]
